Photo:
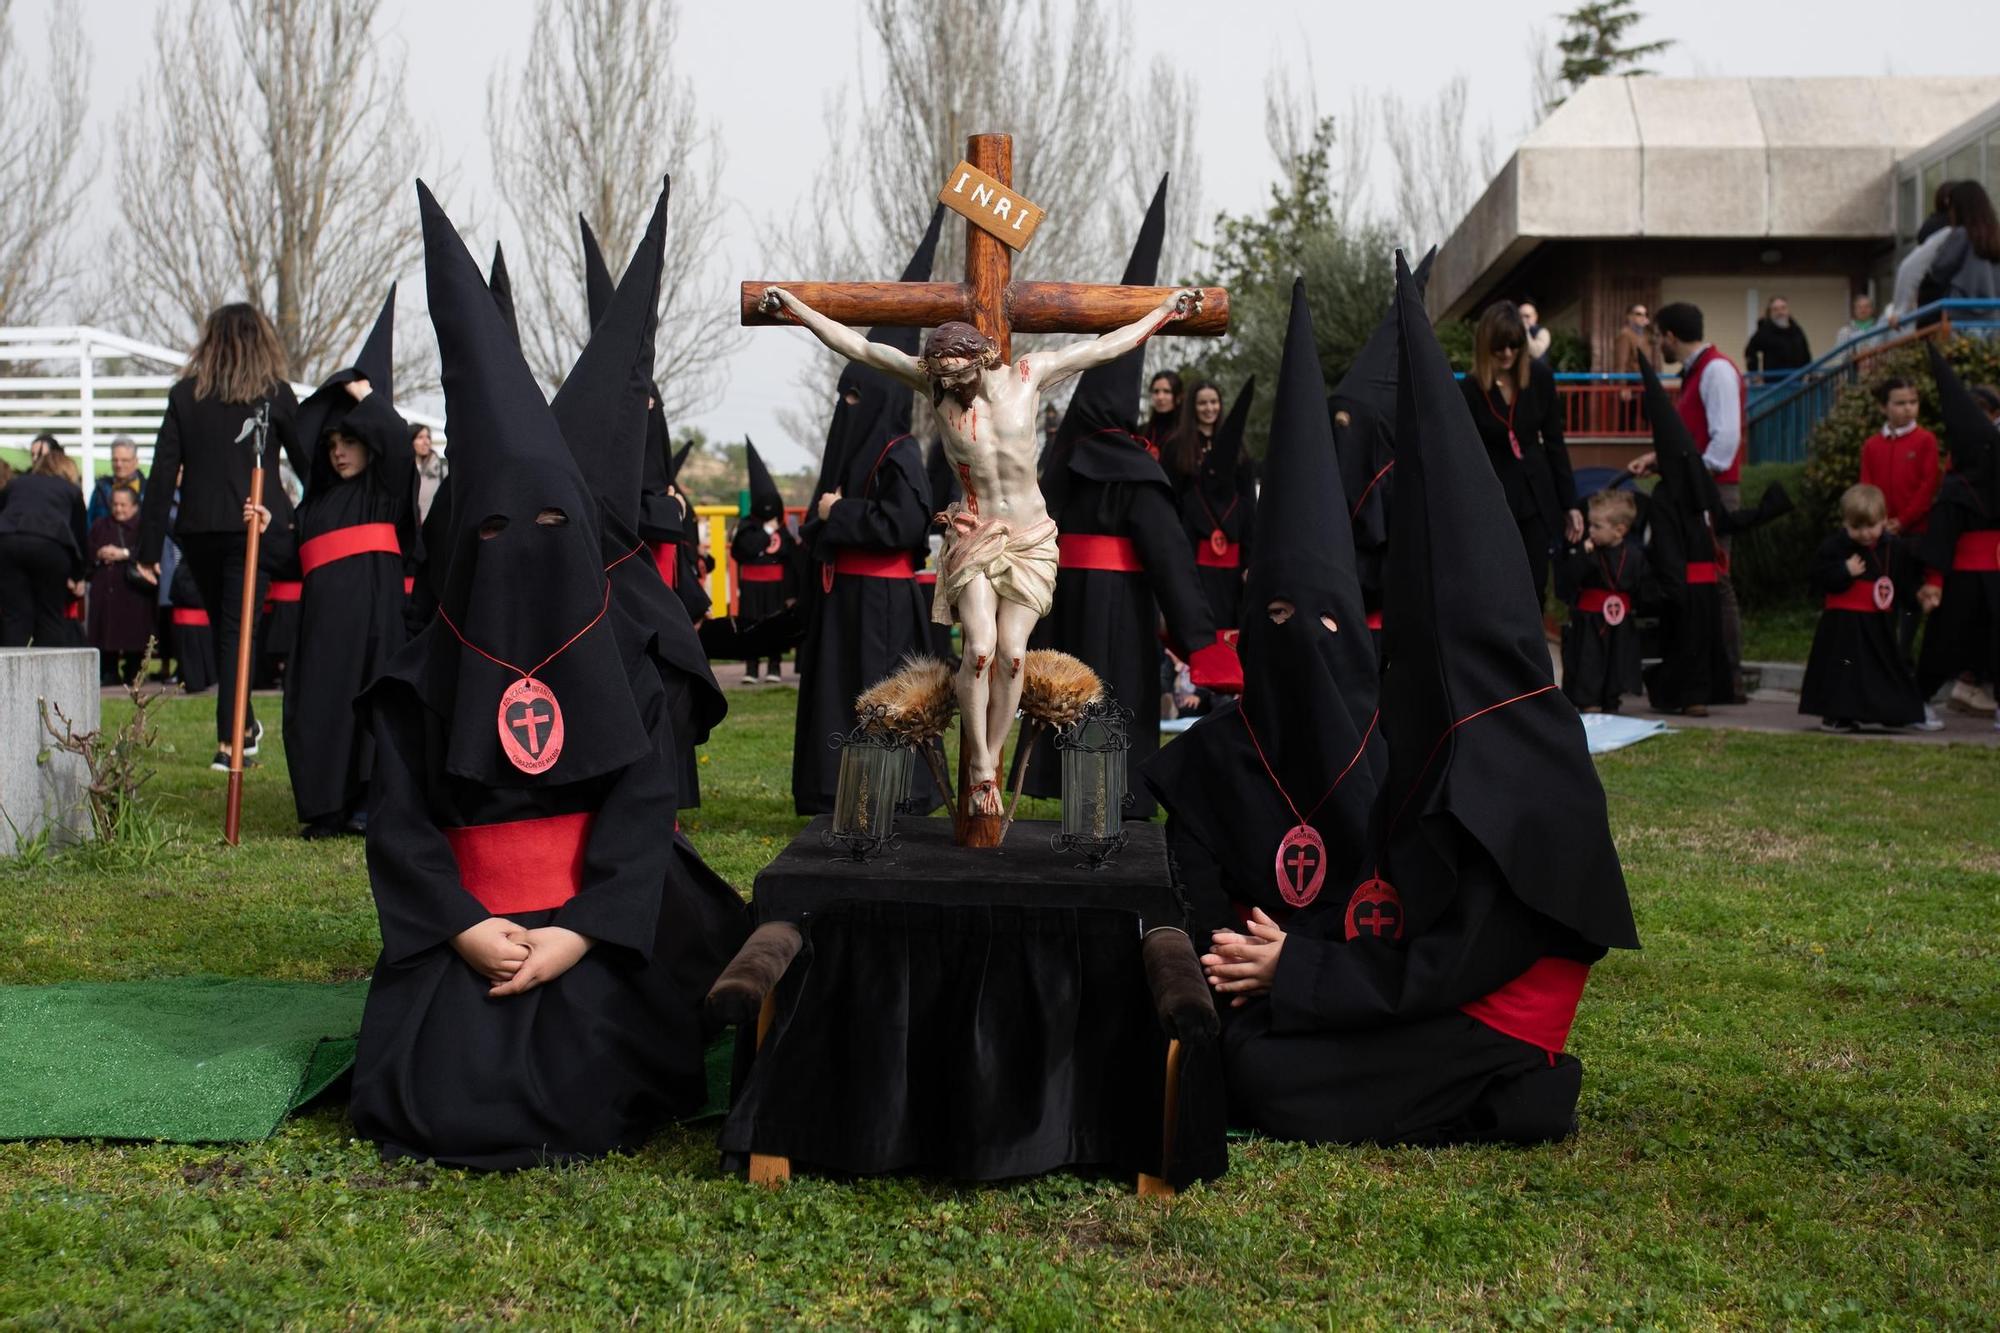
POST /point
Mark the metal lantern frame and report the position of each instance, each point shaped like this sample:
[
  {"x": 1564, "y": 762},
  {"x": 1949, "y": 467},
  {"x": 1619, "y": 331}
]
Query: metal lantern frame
[
  {"x": 873, "y": 783},
  {"x": 1093, "y": 751}
]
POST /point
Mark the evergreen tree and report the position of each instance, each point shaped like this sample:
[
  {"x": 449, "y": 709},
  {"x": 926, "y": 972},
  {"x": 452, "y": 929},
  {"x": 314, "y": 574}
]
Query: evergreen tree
[{"x": 1590, "y": 43}]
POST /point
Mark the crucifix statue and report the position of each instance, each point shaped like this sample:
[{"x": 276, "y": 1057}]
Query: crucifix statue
[{"x": 998, "y": 568}]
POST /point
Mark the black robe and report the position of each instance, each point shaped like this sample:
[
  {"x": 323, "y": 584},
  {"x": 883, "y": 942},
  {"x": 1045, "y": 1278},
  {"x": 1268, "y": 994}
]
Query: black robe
[
  {"x": 1964, "y": 632},
  {"x": 1694, "y": 663},
  {"x": 1856, "y": 671},
  {"x": 350, "y": 618},
  {"x": 754, "y": 548},
  {"x": 1110, "y": 619},
  {"x": 1601, "y": 660},
  {"x": 590, "y": 1063},
  {"x": 1230, "y": 509},
  {"x": 859, "y": 628}
]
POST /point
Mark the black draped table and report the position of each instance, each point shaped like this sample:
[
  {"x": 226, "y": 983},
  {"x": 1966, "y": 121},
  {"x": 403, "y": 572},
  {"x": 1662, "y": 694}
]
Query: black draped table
[{"x": 978, "y": 1013}]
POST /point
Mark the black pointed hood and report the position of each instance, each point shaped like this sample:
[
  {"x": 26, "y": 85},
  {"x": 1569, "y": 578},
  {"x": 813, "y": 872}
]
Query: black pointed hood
[
  {"x": 329, "y": 405},
  {"x": 861, "y": 430},
  {"x": 1970, "y": 436},
  {"x": 1489, "y": 769},
  {"x": 533, "y": 595},
  {"x": 1363, "y": 405},
  {"x": 1098, "y": 436},
  {"x": 680, "y": 460},
  {"x": 766, "y": 501},
  {"x": 1309, "y": 689},
  {"x": 597, "y": 282},
  {"x": 602, "y": 405},
  {"x": 503, "y": 291}
]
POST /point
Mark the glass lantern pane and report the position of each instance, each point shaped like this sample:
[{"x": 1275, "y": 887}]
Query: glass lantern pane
[
  {"x": 1090, "y": 806},
  {"x": 864, "y": 800}
]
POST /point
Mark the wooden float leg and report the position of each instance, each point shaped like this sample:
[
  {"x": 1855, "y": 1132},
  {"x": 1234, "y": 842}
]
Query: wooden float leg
[
  {"x": 1156, "y": 1187},
  {"x": 767, "y": 1169}
]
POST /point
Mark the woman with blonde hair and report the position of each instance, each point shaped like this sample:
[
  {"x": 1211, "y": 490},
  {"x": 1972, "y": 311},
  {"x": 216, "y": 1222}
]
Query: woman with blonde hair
[
  {"x": 1513, "y": 402},
  {"x": 237, "y": 369},
  {"x": 41, "y": 552}
]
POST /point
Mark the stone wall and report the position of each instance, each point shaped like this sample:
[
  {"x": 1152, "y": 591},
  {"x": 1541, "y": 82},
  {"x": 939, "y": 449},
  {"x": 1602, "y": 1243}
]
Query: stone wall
[{"x": 36, "y": 794}]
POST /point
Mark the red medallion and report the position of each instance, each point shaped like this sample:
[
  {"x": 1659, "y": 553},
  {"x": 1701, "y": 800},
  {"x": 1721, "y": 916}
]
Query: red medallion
[
  {"x": 1301, "y": 865},
  {"x": 1375, "y": 909},
  {"x": 1885, "y": 593},
  {"x": 1218, "y": 543},
  {"x": 531, "y": 726},
  {"x": 826, "y": 577},
  {"x": 1614, "y": 610}
]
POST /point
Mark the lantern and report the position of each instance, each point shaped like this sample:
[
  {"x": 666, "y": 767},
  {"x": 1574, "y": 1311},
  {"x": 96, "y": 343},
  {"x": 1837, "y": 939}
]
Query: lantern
[
  {"x": 1093, "y": 750},
  {"x": 874, "y": 780}
]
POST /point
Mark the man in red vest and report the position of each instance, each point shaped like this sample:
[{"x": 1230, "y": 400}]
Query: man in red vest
[{"x": 1711, "y": 403}]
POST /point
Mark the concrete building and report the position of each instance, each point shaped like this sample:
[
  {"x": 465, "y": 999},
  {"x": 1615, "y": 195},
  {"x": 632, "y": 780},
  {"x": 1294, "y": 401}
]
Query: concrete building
[{"x": 1723, "y": 192}]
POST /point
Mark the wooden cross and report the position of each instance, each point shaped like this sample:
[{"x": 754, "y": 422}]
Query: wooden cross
[{"x": 989, "y": 298}]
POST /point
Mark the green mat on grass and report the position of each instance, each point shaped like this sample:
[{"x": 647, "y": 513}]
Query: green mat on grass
[{"x": 187, "y": 1060}]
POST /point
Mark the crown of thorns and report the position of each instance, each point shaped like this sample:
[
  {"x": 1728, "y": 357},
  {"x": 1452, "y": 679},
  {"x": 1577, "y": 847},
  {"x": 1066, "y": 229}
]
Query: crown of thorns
[{"x": 956, "y": 340}]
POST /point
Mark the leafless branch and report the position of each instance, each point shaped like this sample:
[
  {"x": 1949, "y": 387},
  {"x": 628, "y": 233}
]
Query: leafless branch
[{"x": 45, "y": 165}]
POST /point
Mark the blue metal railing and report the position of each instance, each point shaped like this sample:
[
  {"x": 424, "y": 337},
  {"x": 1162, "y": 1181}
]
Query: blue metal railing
[{"x": 1784, "y": 406}]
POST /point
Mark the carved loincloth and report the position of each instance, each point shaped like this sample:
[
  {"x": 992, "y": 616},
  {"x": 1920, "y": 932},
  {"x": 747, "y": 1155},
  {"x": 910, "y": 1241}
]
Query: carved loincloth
[{"x": 1021, "y": 565}]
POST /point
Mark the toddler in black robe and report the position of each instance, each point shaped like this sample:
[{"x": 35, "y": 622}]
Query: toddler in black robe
[
  {"x": 359, "y": 499},
  {"x": 1602, "y": 581},
  {"x": 766, "y": 556},
  {"x": 1856, "y": 673},
  {"x": 545, "y": 946}
]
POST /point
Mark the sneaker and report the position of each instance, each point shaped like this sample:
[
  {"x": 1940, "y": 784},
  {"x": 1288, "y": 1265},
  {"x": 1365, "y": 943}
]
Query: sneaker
[
  {"x": 1931, "y": 721},
  {"x": 1969, "y": 698},
  {"x": 221, "y": 761},
  {"x": 250, "y": 739},
  {"x": 1839, "y": 726},
  {"x": 749, "y": 678}
]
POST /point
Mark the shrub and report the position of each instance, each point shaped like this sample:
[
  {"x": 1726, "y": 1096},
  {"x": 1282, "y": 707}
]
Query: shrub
[{"x": 1768, "y": 566}]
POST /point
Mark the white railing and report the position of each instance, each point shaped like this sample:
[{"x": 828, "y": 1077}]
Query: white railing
[{"x": 87, "y": 386}]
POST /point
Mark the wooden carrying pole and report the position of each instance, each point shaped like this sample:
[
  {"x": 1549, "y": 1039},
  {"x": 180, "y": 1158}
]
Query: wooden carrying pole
[{"x": 232, "y": 819}]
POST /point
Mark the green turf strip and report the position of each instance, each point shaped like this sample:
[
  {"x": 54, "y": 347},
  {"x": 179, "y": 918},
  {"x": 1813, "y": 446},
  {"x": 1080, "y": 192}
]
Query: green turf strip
[{"x": 183, "y": 1060}]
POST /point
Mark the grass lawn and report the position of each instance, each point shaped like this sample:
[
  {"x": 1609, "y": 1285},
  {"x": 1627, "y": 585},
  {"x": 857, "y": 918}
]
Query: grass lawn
[{"x": 1791, "y": 1111}]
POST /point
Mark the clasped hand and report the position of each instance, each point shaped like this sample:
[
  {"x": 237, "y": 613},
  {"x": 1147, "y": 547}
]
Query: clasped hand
[
  {"x": 516, "y": 959},
  {"x": 1244, "y": 966}
]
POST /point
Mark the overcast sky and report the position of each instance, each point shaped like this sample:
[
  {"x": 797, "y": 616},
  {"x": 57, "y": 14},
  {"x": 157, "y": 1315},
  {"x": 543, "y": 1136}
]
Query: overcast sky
[{"x": 733, "y": 52}]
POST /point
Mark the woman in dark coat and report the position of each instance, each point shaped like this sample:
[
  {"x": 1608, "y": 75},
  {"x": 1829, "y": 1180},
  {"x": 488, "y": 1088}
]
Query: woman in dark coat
[
  {"x": 42, "y": 561},
  {"x": 121, "y": 615},
  {"x": 237, "y": 370},
  {"x": 1217, "y": 489},
  {"x": 1514, "y": 404}
]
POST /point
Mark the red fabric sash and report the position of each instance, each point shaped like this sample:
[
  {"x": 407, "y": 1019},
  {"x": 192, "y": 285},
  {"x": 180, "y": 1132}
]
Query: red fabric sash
[
  {"x": 188, "y": 617},
  {"x": 873, "y": 564},
  {"x": 1591, "y": 601},
  {"x": 1096, "y": 550},
  {"x": 666, "y": 559},
  {"x": 1231, "y": 557},
  {"x": 360, "y": 539},
  {"x": 526, "y": 865},
  {"x": 1703, "y": 571},
  {"x": 1858, "y": 596},
  {"x": 927, "y": 576},
  {"x": 283, "y": 590},
  {"x": 1536, "y": 1007},
  {"x": 1977, "y": 552},
  {"x": 761, "y": 573},
  {"x": 74, "y": 611},
  {"x": 1374, "y": 620}
]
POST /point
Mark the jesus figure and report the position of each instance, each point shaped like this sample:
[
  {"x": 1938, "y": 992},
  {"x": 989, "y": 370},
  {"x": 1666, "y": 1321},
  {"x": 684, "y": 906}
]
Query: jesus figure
[{"x": 998, "y": 568}]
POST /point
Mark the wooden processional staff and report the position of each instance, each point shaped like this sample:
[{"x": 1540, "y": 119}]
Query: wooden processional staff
[{"x": 257, "y": 428}]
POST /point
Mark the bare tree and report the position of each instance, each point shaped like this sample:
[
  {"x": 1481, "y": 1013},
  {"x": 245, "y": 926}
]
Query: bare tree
[
  {"x": 1292, "y": 121},
  {"x": 268, "y": 158},
  {"x": 590, "y": 122},
  {"x": 1093, "y": 131},
  {"x": 1439, "y": 172},
  {"x": 1546, "y": 90},
  {"x": 43, "y": 167}
]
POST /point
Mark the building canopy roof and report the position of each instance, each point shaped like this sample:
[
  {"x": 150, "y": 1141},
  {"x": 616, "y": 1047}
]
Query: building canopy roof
[{"x": 1631, "y": 157}]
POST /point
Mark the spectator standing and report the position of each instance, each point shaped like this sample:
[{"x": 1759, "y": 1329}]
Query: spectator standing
[
  {"x": 238, "y": 366},
  {"x": 1861, "y": 321},
  {"x": 1539, "y": 338},
  {"x": 431, "y": 469},
  {"x": 1711, "y": 405},
  {"x": 120, "y": 618},
  {"x": 42, "y": 565},
  {"x": 1960, "y": 261},
  {"x": 124, "y": 473},
  {"x": 1778, "y": 345},
  {"x": 1635, "y": 340}
]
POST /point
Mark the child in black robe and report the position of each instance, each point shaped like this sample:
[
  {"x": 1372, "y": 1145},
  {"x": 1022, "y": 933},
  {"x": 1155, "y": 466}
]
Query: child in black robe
[
  {"x": 545, "y": 948},
  {"x": 766, "y": 556},
  {"x": 1602, "y": 581},
  {"x": 1424, "y": 885},
  {"x": 1856, "y": 673},
  {"x": 351, "y": 608}
]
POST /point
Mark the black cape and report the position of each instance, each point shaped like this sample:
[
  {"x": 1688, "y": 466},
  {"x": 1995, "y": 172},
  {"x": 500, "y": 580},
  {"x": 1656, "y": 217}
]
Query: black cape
[
  {"x": 1856, "y": 670},
  {"x": 1221, "y": 499},
  {"x": 1963, "y": 634},
  {"x": 1601, "y": 661}
]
